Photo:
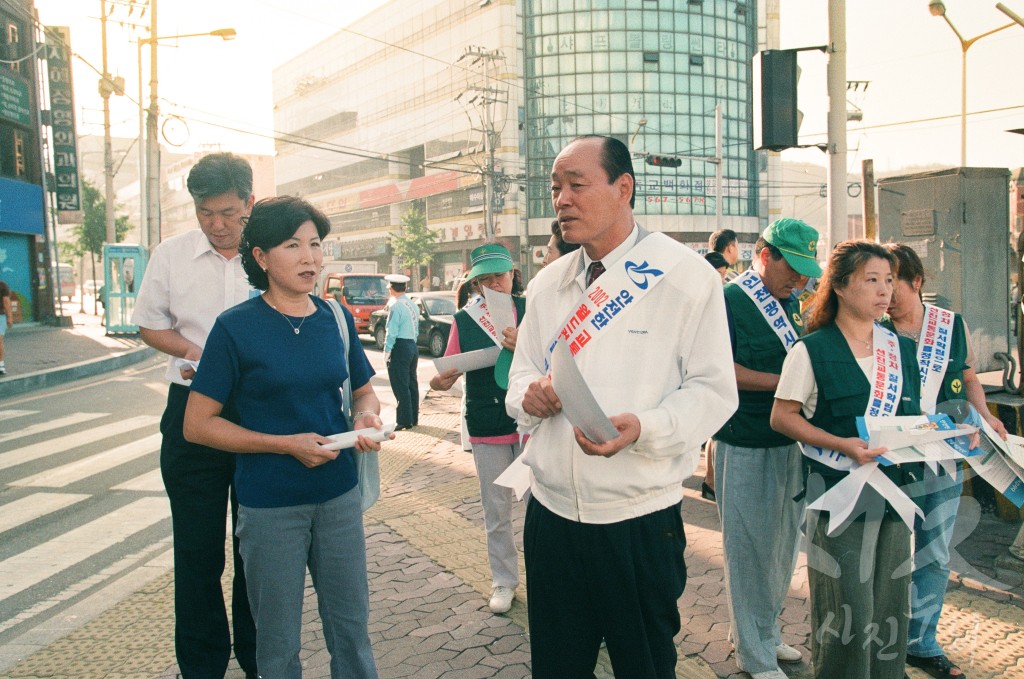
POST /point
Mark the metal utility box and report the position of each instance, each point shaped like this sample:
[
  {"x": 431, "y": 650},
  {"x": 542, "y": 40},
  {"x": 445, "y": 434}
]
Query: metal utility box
[{"x": 958, "y": 221}]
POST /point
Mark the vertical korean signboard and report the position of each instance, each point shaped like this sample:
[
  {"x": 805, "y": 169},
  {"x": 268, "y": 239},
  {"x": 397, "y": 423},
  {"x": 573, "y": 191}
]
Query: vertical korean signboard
[{"x": 62, "y": 119}]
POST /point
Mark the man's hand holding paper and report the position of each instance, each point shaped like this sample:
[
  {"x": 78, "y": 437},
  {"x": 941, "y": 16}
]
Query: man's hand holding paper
[
  {"x": 541, "y": 400},
  {"x": 628, "y": 426}
]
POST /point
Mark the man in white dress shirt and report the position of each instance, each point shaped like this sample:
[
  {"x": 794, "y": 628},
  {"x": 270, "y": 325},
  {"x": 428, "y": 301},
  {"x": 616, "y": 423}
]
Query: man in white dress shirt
[{"x": 191, "y": 278}]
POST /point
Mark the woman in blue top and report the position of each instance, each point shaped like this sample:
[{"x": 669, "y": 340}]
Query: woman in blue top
[{"x": 278, "y": 361}]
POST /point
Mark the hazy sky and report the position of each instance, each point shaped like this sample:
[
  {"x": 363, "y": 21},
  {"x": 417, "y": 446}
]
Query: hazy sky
[{"x": 911, "y": 59}]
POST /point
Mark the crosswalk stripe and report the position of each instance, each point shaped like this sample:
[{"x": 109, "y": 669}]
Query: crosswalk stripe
[
  {"x": 150, "y": 481},
  {"x": 33, "y": 506},
  {"x": 35, "y": 565},
  {"x": 11, "y": 414},
  {"x": 42, "y": 427},
  {"x": 92, "y": 465},
  {"x": 64, "y": 443}
]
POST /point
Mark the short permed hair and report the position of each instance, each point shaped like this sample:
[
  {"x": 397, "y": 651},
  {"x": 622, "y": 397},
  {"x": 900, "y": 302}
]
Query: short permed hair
[
  {"x": 272, "y": 222},
  {"x": 219, "y": 173}
]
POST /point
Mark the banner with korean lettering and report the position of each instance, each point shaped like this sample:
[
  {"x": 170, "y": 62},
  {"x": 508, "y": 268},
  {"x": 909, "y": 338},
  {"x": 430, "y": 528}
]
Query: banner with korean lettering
[{"x": 62, "y": 121}]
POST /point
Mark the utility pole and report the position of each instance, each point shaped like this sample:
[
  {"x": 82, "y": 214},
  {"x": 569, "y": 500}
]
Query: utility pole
[
  {"x": 484, "y": 98},
  {"x": 838, "y": 227},
  {"x": 719, "y": 170},
  {"x": 106, "y": 89},
  {"x": 868, "y": 183},
  {"x": 152, "y": 140}
]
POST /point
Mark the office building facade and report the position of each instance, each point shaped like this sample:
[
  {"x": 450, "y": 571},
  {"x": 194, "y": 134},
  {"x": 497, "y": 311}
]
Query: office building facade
[{"x": 448, "y": 106}]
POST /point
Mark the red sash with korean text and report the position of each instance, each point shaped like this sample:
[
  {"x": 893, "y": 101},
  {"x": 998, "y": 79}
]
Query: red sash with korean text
[
  {"x": 617, "y": 291},
  {"x": 933, "y": 353},
  {"x": 477, "y": 310}
]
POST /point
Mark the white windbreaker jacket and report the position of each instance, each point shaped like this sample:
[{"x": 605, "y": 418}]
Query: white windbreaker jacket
[{"x": 667, "y": 360}]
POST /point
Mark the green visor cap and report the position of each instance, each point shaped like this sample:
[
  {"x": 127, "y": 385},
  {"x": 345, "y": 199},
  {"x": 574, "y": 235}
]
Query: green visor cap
[
  {"x": 489, "y": 258},
  {"x": 798, "y": 243}
]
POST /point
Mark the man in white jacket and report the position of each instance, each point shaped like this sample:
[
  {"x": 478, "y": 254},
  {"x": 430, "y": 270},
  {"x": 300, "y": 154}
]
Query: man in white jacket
[{"x": 604, "y": 536}]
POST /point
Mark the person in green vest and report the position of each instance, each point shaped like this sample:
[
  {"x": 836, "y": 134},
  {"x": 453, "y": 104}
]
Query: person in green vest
[
  {"x": 492, "y": 433},
  {"x": 947, "y": 374},
  {"x": 849, "y": 366},
  {"x": 759, "y": 470}
]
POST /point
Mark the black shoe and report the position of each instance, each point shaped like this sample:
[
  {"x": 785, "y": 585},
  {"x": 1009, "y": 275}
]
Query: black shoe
[
  {"x": 707, "y": 492},
  {"x": 935, "y": 666},
  {"x": 403, "y": 427}
]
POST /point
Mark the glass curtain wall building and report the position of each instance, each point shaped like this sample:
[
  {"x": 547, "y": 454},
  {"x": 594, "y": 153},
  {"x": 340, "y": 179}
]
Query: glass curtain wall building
[
  {"x": 649, "y": 72},
  {"x": 421, "y": 102}
]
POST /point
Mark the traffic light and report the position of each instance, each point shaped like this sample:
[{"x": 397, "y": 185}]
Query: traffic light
[
  {"x": 663, "y": 161},
  {"x": 776, "y": 118}
]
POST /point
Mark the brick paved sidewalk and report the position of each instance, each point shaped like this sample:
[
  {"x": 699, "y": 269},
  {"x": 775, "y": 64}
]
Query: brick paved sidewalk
[{"x": 429, "y": 578}]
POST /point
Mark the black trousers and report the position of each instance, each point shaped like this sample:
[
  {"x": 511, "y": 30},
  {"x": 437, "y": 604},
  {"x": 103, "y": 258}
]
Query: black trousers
[
  {"x": 199, "y": 483},
  {"x": 617, "y": 581},
  {"x": 402, "y": 374}
]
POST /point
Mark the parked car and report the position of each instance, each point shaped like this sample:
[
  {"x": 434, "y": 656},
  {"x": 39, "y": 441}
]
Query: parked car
[
  {"x": 92, "y": 286},
  {"x": 436, "y": 312}
]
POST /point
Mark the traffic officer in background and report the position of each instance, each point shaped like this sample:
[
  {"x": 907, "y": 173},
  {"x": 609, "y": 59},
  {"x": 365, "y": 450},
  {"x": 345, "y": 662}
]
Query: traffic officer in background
[
  {"x": 758, "y": 469},
  {"x": 401, "y": 353}
]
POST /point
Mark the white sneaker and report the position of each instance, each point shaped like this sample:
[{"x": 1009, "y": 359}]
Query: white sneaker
[
  {"x": 787, "y": 653},
  {"x": 501, "y": 599},
  {"x": 772, "y": 674}
]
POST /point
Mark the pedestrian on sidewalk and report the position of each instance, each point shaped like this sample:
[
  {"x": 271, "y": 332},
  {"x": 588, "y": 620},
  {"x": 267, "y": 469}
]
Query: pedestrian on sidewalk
[
  {"x": 280, "y": 360},
  {"x": 190, "y": 279},
  {"x": 759, "y": 470},
  {"x": 401, "y": 353},
  {"x": 859, "y": 585},
  {"x": 643, "y": 317},
  {"x": 6, "y": 322},
  {"x": 492, "y": 433},
  {"x": 949, "y": 376}
]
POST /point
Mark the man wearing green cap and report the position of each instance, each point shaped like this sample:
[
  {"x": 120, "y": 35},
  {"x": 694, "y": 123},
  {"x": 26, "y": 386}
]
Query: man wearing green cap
[{"x": 758, "y": 469}]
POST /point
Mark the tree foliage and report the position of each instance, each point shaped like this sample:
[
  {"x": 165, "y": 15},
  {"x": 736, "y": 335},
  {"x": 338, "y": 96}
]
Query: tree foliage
[
  {"x": 92, "y": 232},
  {"x": 414, "y": 246}
]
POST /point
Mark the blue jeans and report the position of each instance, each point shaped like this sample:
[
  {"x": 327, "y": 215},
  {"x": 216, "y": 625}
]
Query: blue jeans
[
  {"x": 760, "y": 519},
  {"x": 939, "y": 498},
  {"x": 277, "y": 544}
]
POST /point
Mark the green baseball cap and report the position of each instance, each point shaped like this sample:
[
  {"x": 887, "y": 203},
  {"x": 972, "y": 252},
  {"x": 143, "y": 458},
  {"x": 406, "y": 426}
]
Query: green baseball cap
[
  {"x": 798, "y": 243},
  {"x": 489, "y": 258}
]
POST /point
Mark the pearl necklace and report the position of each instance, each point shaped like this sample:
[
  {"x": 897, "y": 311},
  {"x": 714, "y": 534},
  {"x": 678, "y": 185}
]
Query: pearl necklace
[{"x": 296, "y": 329}]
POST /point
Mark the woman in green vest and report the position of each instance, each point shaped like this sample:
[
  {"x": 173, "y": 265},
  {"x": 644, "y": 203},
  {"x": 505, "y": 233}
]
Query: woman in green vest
[
  {"x": 492, "y": 433},
  {"x": 947, "y": 374},
  {"x": 848, "y": 366}
]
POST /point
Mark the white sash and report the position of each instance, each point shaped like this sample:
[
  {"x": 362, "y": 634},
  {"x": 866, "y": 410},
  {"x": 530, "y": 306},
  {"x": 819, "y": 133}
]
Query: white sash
[
  {"x": 771, "y": 309},
  {"x": 619, "y": 288},
  {"x": 477, "y": 310},
  {"x": 886, "y": 390},
  {"x": 933, "y": 353}
]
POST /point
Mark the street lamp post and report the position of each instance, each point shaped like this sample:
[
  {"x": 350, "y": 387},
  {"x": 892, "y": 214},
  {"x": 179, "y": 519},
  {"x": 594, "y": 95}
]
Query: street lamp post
[
  {"x": 149, "y": 153},
  {"x": 937, "y": 8}
]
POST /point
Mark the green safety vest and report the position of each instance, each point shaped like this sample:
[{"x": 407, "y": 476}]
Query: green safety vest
[
  {"x": 843, "y": 393},
  {"x": 757, "y": 347},
  {"x": 485, "y": 400},
  {"x": 953, "y": 381}
]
